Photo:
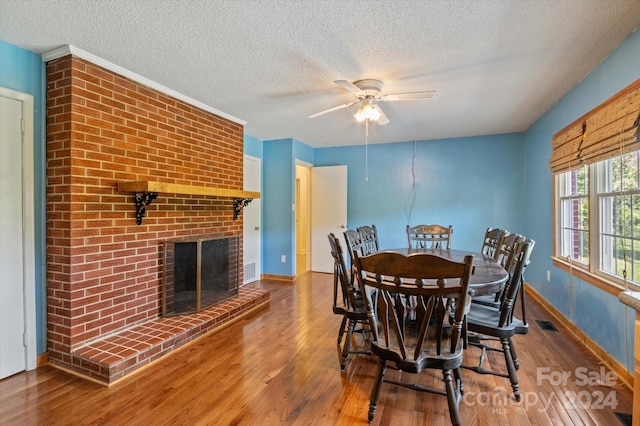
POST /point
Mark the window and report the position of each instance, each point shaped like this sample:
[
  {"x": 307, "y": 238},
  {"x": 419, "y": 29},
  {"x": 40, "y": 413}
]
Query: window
[
  {"x": 596, "y": 162},
  {"x": 598, "y": 218},
  {"x": 618, "y": 197},
  {"x": 573, "y": 190}
]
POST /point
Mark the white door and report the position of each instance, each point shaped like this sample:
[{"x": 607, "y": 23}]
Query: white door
[
  {"x": 17, "y": 272},
  {"x": 328, "y": 212},
  {"x": 251, "y": 216}
]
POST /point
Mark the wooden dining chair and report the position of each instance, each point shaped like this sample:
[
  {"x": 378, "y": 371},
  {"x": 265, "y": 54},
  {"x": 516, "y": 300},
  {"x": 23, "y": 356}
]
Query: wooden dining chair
[
  {"x": 504, "y": 255},
  {"x": 507, "y": 247},
  {"x": 491, "y": 242},
  {"x": 353, "y": 239},
  {"x": 429, "y": 236},
  {"x": 349, "y": 303},
  {"x": 412, "y": 337},
  {"x": 369, "y": 239},
  {"x": 485, "y": 323}
]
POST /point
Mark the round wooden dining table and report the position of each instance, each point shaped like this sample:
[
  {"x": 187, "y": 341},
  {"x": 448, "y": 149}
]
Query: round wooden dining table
[{"x": 488, "y": 275}]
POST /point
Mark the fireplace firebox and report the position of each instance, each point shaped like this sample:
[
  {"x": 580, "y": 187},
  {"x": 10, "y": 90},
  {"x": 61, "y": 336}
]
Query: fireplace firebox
[{"x": 199, "y": 273}]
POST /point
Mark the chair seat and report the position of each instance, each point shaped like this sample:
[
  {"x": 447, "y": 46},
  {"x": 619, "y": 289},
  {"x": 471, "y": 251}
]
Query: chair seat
[
  {"x": 484, "y": 319},
  {"x": 487, "y": 299},
  {"x": 358, "y": 312},
  {"x": 428, "y": 359}
]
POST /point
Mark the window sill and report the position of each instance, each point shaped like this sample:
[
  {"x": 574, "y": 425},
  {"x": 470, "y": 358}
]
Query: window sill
[{"x": 610, "y": 286}]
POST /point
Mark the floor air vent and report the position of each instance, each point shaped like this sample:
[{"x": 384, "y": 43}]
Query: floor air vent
[
  {"x": 624, "y": 418},
  {"x": 546, "y": 325}
]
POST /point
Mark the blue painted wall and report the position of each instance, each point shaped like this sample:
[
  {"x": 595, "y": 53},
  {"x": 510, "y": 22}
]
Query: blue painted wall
[
  {"x": 24, "y": 71},
  {"x": 597, "y": 313},
  {"x": 469, "y": 183},
  {"x": 278, "y": 219},
  {"x": 252, "y": 146}
]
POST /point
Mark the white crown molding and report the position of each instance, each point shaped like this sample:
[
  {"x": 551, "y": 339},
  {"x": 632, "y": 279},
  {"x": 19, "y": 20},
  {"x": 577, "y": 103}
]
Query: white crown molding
[{"x": 71, "y": 50}]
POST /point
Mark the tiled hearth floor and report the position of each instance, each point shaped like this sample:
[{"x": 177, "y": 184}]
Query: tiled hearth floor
[{"x": 112, "y": 358}]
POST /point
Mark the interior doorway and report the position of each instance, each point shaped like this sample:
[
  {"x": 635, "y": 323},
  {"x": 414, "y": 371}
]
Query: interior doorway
[{"x": 302, "y": 215}]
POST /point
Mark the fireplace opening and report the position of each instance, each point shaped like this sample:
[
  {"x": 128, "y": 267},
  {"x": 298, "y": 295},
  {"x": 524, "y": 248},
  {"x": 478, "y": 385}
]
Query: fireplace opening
[{"x": 199, "y": 273}]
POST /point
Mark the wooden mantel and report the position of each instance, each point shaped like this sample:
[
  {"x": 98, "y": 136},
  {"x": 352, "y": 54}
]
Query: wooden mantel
[
  {"x": 146, "y": 191},
  {"x": 174, "y": 188}
]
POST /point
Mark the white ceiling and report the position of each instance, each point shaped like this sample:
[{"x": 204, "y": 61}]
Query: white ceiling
[{"x": 497, "y": 65}]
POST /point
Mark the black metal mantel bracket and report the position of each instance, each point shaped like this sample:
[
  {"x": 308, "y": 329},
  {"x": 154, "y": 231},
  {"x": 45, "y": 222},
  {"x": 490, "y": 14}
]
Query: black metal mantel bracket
[
  {"x": 143, "y": 199},
  {"x": 238, "y": 205}
]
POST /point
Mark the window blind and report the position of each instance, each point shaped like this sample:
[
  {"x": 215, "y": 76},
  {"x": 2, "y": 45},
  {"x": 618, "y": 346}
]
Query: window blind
[{"x": 606, "y": 131}]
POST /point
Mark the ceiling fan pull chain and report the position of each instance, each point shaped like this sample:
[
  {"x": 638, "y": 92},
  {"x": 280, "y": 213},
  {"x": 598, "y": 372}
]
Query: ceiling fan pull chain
[{"x": 366, "y": 150}]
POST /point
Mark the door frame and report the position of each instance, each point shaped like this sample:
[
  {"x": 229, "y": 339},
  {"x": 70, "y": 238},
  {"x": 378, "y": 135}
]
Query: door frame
[
  {"x": 305, "y": 191},
  {"x": 247, "y": 157},
  {"x": 28, "y": 220}
]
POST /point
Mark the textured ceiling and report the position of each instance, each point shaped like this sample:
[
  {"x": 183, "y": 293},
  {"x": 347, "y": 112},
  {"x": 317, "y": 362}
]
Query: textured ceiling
[{"x": 497, "y": 65}]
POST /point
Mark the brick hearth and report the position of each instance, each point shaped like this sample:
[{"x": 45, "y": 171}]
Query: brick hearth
[{"x": 111, "y": 358}]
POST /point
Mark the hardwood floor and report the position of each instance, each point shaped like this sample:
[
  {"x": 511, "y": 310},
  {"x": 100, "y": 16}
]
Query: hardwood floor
[{"x": 280, "y": 366}]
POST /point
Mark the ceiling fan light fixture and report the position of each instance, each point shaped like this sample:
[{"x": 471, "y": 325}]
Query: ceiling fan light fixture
[{"x": 367, "y": 111}]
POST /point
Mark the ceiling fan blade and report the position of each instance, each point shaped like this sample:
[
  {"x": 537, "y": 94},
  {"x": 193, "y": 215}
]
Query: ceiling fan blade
[
  {"x": 335, "y": 108},
  {"x": 382, "y": 120},
  {"x": 409, "y": 96},
  {"x": 349, "y": 86}
]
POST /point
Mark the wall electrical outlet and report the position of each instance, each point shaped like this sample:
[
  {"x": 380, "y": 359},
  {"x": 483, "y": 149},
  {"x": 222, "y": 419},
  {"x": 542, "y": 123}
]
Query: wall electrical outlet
[
  {"x": 548, "y": 276},
  {"x": 283, "y": 258}
]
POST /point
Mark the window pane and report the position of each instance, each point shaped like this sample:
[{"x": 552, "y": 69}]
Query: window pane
[
  {"x": 582, "y": 181},
  {"x": 616, "y": 215},
  {"x": 635, "y": 215},
  {"x": 575, "y": 244},
  {"x": 583, "y": 213},
  {"x": 622, "y": 213},
  {"x": 575, "y": 214},
  {"x": 630, "y": 171},
  {"x": 615, "y": 174},
  {"x": 574, "y": 182},
  {"x": 634, "y": 273},
  {"x": 609, "y": 255}
]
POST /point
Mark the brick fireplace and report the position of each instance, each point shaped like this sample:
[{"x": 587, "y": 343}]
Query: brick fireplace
[{"x": 104, "y": 272}]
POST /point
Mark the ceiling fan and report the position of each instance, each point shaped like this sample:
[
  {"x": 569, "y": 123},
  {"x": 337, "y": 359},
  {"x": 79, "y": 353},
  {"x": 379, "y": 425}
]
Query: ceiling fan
[{"x": 368, "y": 92}]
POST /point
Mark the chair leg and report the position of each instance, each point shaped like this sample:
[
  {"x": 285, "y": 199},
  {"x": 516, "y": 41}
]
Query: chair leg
[
  {"x": 452, "y": 399},
  {"x": 347, "y": 344},
  {"x": 457, "y": 374},
  {"x": 514, "y": 355},
  {"x": 341, "y": 330},
  {"x": 375, "y": 391},
  {"x": 511, "y": 368}
]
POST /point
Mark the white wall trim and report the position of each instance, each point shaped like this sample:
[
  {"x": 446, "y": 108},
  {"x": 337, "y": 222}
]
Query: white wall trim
[
  {"x": 28, "y": 218},
  {"x": 72, "y": 50},
  {"x": 302, "y": 163}
]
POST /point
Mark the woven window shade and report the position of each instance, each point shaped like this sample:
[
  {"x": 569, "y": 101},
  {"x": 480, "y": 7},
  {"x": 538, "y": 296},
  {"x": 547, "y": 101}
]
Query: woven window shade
[
  {"x": 566, "y": 146},
  {"x": 608, "y": 130}
]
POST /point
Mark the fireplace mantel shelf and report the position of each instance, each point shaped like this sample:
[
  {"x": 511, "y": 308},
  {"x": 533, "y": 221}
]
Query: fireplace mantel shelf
[{"x": 146, "y": 191}]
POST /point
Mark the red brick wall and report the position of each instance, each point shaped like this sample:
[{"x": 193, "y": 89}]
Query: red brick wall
[{"x": 103, "y": 270}]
